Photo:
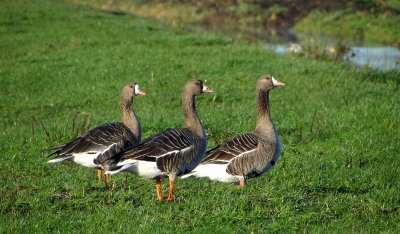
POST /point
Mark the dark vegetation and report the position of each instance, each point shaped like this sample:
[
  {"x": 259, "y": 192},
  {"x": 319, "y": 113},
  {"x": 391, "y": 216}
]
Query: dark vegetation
[{"x": 277, "y": 13}]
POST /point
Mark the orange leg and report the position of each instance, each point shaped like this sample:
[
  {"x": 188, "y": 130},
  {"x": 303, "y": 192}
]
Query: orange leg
[
  {"x": 99, "y": 171},
  {"x": 107, "y": 178},
  {"x": 158, "y": 190},
  {"x": 241, "y": 183},
  {"x": 171, "y": 190}
]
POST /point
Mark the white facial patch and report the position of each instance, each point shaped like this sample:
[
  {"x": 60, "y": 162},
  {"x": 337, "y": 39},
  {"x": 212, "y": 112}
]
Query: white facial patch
[
  {"x": 274, "y": 82},
  {"x": 137, "y": 88}
]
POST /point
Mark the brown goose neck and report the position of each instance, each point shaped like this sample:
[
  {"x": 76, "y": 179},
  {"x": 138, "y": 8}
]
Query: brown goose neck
[
  {"x": 129, "y": 118},
  {"x": 264, "y": 122},
  {"x": 191, "y": 118}
]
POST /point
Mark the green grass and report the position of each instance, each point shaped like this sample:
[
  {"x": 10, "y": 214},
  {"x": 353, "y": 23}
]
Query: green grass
[
  {"x": 62, "y": 65},
  {"x": 352, "y": 24},
  {"x": 366, "y": 21}
]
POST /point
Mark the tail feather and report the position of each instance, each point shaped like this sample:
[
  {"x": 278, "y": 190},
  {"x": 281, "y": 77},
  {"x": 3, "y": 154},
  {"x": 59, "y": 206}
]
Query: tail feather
[
  {"x": 59, "y": 158},
  {"x": 117, "y": 169},
  {"x": 56, "y": 150},
  {"x": 189, "y": 175},
  {"x": 199, "y": 171}
]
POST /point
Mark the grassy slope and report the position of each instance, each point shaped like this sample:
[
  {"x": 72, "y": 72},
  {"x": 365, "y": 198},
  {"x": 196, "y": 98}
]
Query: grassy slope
[
  {"x": 348, "y": 24},
  {"x": 60, "y": 62}
]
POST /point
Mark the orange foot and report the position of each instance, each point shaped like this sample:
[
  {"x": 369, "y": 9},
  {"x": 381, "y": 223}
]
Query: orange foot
[
  {"x": 241, "y": 183},
  {"x": 99, "y": 172},
  {"x": 107, "y": 178},
  {"x": 158, "y": 190},
  {"x": 171, "y": 190}
]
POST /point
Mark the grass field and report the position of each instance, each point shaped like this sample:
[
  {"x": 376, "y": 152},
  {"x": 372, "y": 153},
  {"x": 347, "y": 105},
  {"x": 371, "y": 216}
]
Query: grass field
[
  {"x": 61, "y": 69},
  {"x": 346, "y": 23},
  {"x": 366, "y": 21}
]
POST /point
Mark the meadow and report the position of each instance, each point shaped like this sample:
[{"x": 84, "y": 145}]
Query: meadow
[
  {"x": 62, "y": 66},
  {"x": 363, "y": 21}
]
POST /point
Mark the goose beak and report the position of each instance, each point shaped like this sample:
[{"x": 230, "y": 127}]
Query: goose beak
[
  {"x": 138, "y": 91},
  {"x": 277, "y": 82},
  {"x": 207, "y": 89}
]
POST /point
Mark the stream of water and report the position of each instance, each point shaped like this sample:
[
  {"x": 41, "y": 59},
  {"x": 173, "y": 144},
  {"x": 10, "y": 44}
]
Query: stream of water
[
  {"x": 359, "y": 53},
  {"x": 377, "y": 57}
]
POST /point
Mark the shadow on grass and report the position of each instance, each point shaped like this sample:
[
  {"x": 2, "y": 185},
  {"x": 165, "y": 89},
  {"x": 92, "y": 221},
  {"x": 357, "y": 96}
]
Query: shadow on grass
[
  {"x": 381, "y": 76},
  {"x": 102, "y": 195},
  {"x": 390, "y": 211},
  {"x": 331, "y": 190},
  {"x": 61, "y": 195},
  {"x": 17, "y": 208}
]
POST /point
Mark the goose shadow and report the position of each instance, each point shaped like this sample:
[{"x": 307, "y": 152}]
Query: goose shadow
[{"x": 323, "y": 190}]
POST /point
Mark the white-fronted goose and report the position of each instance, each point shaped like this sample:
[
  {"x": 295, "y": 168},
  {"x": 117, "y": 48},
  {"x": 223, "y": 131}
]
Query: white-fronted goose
[
  {"x": 94, "y": 147},
  {"x": 248, "y": 154},
  {"x": 172, "y": 152}
]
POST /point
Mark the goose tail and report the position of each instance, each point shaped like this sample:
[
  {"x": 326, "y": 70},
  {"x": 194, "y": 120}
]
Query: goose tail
[
  {"x": 199, "y": 171},
  {"x": 117, "y": 169},
  {"x": 59, "y": 158}
]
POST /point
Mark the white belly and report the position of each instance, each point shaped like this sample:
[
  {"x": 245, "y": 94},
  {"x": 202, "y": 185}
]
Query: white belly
[
  {"x": 215, "y": 172},
  {"x": 86, "y": 159},
  {"x": 143, "y": 169}
]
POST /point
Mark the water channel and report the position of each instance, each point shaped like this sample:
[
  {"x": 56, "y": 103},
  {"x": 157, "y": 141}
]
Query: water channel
[
  {"x": 377, "y": 57},
  {"x": 360, "y": 53}
]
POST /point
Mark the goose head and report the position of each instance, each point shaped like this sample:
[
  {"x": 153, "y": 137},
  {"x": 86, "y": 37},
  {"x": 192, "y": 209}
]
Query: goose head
[
  {"x": 196, "y": 87},
  {"x": 268, "y": 82},
  {"x": 130, "y": 90}
]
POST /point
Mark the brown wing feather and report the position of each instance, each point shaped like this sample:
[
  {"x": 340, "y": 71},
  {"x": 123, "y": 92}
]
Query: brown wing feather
[
  {"x": 253, "y": 163},
  {"x": 174, "y": 151},
  {"x": 173, "y": 139},
  {"x": 230, "y": 149},
  {"x": 98, "y": 139}
]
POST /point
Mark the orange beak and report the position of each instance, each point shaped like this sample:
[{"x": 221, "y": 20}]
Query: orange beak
[
  {"x": 140, "y": 92},
  {"x": 277, "y": 82},
  {"x": 207, "y": 89}
]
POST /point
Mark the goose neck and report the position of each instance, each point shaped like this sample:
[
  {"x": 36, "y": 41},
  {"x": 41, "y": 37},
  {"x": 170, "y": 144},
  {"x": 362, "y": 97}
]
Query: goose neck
[
  {"x": 264, "y": 122},
  {"x": 191, "y": 118},
  {"x": 129, "y": 118}
]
